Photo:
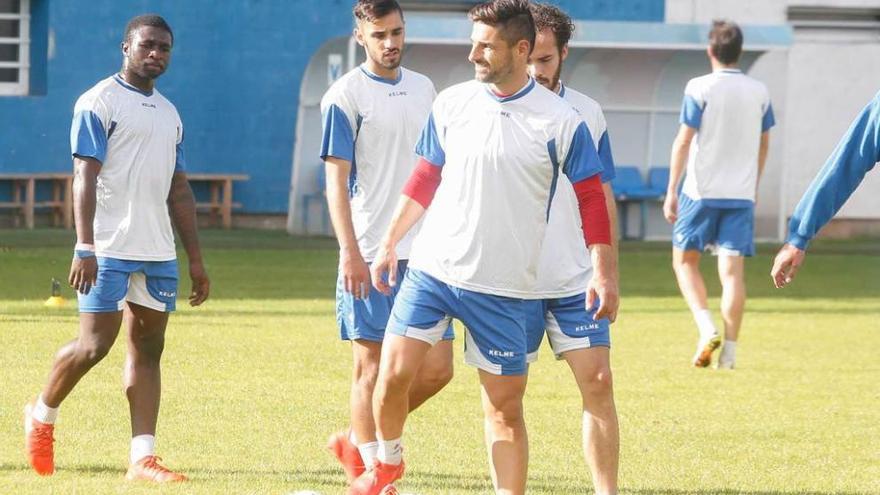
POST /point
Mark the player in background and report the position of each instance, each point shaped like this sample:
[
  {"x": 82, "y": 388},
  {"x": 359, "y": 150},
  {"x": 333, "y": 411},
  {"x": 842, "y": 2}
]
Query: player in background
[
  {"x": 499, "y": 144},
  {"x": 564, "y": 270},
  {"x": 371, "y": 121},
  {"x": 129, "y": 186},
  {"x": 855, "y": 155},
  {"x": 723, "y": 139}
]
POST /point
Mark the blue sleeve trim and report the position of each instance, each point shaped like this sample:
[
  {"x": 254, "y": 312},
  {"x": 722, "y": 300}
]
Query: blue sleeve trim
[
  {"x": 338, "y": 138},
  {"x": 180, "y": 161},
  {"x": 855, "y": 155},
  {"x": 798, "y": 241},
  {"x": 608, "y": 171},
  {"x": 554, "y": 159},
  {"x": 691, "y": 112},
  {"x": 582, "y": 161},
  {"x": 769, "y": 119},
  {"x": 87, "y": 136},
  {"x": 428, "y": 146}
]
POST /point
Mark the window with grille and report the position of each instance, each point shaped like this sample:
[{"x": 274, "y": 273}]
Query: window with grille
[{"x": 14, "y": 46}]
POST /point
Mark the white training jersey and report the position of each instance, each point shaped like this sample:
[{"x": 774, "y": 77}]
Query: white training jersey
[
  {"x": 730, "y": 111},
  {"x": 374, "y": 123},
  {"x": 501, "y": 158},
  {"x": 138, "y": 138},
  {"x": 565, "y": 267}
]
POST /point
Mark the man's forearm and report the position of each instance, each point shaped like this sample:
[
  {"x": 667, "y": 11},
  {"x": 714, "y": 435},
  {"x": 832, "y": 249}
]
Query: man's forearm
[
  {"x": 680, "y": 151},
  {"x": 339, "y": 207},
  {"x": 762, "y": 157},
  {"x": 182, "y": 206},
  {"x": 85, "y": 178},
  {"x": 611, "y": 206},
  {"x": 407, "y": 214},
  {"x": 604, "y": 261}
]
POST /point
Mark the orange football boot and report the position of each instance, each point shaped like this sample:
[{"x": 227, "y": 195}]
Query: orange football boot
[
  {"x": 704, "y": 355},
  {"x": 38, "y": 442},
  {"x": 347, "y": 453},
  {"x": 377, "y": 481},
  {"x": 150, "y": 469}
]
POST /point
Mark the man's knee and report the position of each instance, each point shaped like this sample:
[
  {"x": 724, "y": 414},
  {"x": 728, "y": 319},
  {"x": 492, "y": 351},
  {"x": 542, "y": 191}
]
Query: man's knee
[
  {"x": 90, "y": 352},
  {"x": 505, "y": 414},
  {"x": 504, "y": 407},
  {"x": 435, "y": 377},
  {"x": 685, "y": 259},
  {"x": 365, "y": 371},
  {"x": 148, "y": 344},
  {"x": 597, "y": 383},
  {"x": 436, "y": 371}
]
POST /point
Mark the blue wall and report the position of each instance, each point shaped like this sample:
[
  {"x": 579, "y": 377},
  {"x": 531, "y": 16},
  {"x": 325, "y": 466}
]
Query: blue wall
[
  {"x": 235, "y": 78},
  {"x": 615, "y": 10}
]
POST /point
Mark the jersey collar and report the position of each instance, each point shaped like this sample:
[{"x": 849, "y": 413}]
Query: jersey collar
[
  {"x": 130, "y": 87},
  {"x": 728, "y": 71},
  {"x": 519, "y": 94},
  {"x": 384, "y": 80}
]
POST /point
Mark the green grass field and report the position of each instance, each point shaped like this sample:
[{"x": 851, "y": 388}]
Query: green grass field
[{"x": 255, "y": 381}]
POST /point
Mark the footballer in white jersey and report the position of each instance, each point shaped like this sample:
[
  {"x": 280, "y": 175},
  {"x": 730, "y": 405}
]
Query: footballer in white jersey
[
  {"x": 562, "y": 309},
  {"x": 491, "y": 153},
  {"x": 723, "y": 141},
  {"x": 129, "y": 186},
  {"x": 371, "y": 120}
]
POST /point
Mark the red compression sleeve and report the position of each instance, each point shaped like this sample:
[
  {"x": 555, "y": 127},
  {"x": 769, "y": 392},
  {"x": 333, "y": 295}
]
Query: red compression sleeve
[
  {"x": 423, "y": 183},
  {"x": 594, "y": 212}
]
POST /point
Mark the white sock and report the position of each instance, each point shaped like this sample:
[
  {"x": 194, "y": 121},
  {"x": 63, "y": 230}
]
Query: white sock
[
  {"x": 703, "y": 318},
  {"x": 369, "y": 451},
  {"x": 728, "y": 352},
  {"x": 390, "y": 452},
  {"x": 142, "y": 446},
  {"x": 43, "y": 413}
]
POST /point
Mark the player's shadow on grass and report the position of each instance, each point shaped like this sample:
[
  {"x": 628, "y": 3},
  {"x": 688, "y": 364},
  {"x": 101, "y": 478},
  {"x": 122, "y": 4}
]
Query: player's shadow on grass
[
  {"x": 308, "y": 477},
  {"x": 76, "y": 468},
  {"x": 817, "y": 309},
  {"x": 725, "y": 491}
]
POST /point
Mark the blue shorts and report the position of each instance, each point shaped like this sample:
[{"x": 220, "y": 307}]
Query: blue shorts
[
  {"x": 723, "y": 230},
  {"x": 152, "y": 284},
  {"x": 495, "y": 337},
  {"x": 568, "y": 323},
  {"x": 366, "y": 319}
]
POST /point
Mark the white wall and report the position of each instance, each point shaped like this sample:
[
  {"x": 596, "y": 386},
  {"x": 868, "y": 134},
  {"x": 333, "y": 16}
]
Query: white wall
[
  {"x": 828, "y": 85},
  {"x": 740, "y": 11}
]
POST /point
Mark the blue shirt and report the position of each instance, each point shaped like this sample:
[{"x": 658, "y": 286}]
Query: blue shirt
[{"x": 855, "y": 155}]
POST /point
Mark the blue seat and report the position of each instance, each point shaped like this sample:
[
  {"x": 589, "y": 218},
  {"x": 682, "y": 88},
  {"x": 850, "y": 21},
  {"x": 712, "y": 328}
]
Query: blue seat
[
  {"x": 320, "y": 196},
  {"x": 629, "y": 187},
  {"x": 658, "y": 180}
]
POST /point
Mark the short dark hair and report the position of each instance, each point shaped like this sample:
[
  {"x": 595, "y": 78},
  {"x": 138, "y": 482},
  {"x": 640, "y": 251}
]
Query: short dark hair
[
  {"x": 151, "y": 20},
  {"x": 370, "y": 10},
  {"x": 512, "y": 17},
  {"x": 725, "y": 41},
  {"x": 552, "y": 18}
]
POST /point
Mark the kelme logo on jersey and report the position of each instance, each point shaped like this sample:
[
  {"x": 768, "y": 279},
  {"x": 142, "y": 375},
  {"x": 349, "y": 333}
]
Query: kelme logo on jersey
[
  {"x": 148, "y": 105},
  {"x": 164, "y": 293},
  {"x": 396, "y": 93}
]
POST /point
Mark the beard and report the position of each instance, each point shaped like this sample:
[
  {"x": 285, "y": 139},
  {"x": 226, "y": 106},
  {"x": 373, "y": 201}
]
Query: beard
[
  {"x": 387, "y": 62},
  {"x": 553, "y": 82},
  {"x": 490, "y": 75}
]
